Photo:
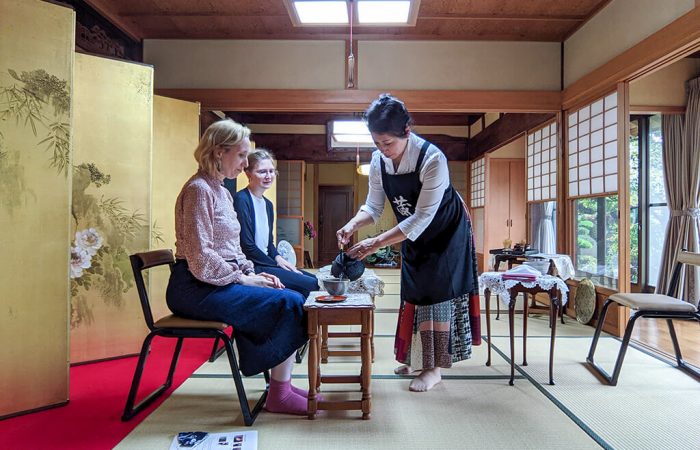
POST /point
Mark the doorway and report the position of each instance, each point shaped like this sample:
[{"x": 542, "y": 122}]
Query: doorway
[{"x": 335, "y": 208}]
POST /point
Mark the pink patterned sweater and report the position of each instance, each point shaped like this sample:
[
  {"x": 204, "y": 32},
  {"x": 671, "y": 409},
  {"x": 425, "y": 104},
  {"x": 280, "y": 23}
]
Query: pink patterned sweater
[{"x": 207, "y": 232}]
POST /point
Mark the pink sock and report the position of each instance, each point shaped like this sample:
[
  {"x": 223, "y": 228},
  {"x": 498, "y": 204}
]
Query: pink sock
[
  {"x": 282, "y": 399},
  {"x": 304, "y": 393},
  {"x": 299, "y": 391}
]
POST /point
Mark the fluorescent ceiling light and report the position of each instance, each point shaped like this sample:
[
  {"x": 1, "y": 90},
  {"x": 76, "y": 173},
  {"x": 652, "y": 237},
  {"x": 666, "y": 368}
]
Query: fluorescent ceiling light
[
  {"x": 322, "y": 12},
  {"x": 390, "y": 11}
]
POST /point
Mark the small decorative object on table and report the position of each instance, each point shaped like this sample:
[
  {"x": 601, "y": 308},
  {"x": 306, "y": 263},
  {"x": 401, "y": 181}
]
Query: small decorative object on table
[{"x": 309, "y": 230}]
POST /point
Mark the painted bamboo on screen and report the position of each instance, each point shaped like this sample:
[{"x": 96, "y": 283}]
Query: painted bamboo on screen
[
  {"x": 110, "y": 211},
  {"x": 36, "y": 65}
]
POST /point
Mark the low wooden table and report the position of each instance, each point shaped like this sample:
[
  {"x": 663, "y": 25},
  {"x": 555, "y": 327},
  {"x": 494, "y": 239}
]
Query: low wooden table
[{"x": 357, "y": 309}]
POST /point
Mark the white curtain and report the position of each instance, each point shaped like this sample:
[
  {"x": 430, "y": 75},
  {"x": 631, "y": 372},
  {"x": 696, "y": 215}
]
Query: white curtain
[
  {"x": 543, "y": 235},
  {"x": 681, "y": 147}
]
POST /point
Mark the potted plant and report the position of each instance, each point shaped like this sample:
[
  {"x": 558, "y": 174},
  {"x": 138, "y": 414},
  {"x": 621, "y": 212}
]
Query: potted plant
[{"x": 384, "y": 257}]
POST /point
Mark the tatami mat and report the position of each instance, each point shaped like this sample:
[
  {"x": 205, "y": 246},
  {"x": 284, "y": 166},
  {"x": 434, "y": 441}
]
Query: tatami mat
[
  {"x": 467, "y": 414},
  {"x": 654, "y": 406}
]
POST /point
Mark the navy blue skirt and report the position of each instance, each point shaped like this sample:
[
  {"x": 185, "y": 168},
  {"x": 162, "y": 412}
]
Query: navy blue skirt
[{"x": 269, "y": 324}]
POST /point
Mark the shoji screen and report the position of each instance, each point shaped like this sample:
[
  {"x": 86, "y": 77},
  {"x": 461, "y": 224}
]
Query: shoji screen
[
  {"x": 592, "y": 149},
  {"x": 478, "y": 183},
  {"x": 542, "y": 163}
]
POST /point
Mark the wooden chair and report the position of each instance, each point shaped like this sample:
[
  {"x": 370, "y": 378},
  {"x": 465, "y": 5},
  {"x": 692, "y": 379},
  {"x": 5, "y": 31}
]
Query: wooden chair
[
  {"x": 650, "y": 305},
  {"x": 172, "y": 326}
]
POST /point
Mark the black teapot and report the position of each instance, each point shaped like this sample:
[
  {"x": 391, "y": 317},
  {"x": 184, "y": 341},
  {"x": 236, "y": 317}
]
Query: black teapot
[{"x": 348, "y": 267}]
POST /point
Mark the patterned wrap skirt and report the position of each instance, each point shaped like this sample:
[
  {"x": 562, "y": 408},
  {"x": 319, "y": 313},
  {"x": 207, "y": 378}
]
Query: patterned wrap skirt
[{"x": 435, "y": 335}]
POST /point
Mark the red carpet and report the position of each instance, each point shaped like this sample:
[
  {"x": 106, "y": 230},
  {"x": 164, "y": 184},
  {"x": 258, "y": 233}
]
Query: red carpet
[{"x": 92, "y": 418}]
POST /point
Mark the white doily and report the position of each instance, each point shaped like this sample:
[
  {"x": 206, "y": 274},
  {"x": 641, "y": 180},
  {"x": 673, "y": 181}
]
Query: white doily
[
  {"x": 494, "y": 282},
  {"x": 368, "y": 283}
]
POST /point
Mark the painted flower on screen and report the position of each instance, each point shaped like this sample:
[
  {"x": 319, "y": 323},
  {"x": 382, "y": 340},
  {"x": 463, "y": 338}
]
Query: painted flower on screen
[
  {"x": 79, "y": 260},
  {"x": 89, "y": 240}
]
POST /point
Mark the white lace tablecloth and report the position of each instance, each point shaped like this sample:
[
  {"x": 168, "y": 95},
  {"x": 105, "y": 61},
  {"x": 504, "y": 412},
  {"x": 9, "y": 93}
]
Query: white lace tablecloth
[
  {"x": 494, "y": 282},
  {"x": 361, "y": 300},
  {"x": 565, "y": 268},
  {"x": 368, "y": 283}
]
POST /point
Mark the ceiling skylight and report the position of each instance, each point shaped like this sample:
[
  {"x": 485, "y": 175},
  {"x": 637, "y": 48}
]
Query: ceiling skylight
[
  {"x": 350, "y": 133},
  {"x": 322, "y": 12},
  {"x": 390, "y": 11}
]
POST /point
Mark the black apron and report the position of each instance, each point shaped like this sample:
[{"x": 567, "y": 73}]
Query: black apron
[{"x": 434, "y": 267}]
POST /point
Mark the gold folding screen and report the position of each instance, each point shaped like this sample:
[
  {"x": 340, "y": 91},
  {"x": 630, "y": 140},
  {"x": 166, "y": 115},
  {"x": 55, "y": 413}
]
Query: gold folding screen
[
  {"x": 36, "y": 65},
  {"x": 110, "y": 215},
  {"x": 175, "y": 136}
]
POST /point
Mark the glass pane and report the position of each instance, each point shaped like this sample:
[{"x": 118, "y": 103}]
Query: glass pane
[
  {"x": 634, "y": 244},
  {"x": 596, "y": 226},
  {"x": 657, "y": 191},
  {"x": 543, "y": 226},
  {"x": 289, "y": 230},
  {"x": 658, "y": 218}
]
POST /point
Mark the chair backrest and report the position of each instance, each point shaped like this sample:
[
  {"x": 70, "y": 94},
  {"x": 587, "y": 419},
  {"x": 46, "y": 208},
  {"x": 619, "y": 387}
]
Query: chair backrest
[
  {"x": 144, "y": 261},
  {"x": 684, "y": 257}
]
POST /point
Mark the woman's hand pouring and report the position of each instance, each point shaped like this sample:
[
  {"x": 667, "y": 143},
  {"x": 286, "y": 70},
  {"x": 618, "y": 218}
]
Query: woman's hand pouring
[{"x": 364, "y": 248}]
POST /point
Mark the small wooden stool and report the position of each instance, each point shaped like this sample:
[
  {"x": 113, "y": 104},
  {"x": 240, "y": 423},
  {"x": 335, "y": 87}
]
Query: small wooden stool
[
  {"x": 326, "y": 351},
  {"x": 357, "y": 309}
]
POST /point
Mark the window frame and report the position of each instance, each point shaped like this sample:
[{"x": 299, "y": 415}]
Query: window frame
[{"x": 644, "y": 205}]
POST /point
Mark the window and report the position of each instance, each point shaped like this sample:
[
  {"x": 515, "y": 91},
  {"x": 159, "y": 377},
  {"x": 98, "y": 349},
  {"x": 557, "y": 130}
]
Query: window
[
  {"x": 543, "y": 226},
  {"x": 542, "y": 163},
  {"x": 597, "y": 243},
  {"x": 478, "y": 183},
  {"x": 648, "y": 204}
]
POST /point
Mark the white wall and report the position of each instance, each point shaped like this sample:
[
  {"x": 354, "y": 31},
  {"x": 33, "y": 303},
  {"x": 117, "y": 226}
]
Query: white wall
[
  {"x": 279, "y": 64},
  {"x": 616, "y": 28},
  {"x": 665, "y": 87},
  {"x": 515, "y": 149},
  {"x": 481, "y": 65},
  {"x": 246, "y": 64}
]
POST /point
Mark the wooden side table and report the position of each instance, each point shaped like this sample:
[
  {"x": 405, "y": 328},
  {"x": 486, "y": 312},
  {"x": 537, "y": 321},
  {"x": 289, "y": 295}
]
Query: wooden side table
[
  {"x": 556, "y": 293},
  {"x": 357, "y": 309}
]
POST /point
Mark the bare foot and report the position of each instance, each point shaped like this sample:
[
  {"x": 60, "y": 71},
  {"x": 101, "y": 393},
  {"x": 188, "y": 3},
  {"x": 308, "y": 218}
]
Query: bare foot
[
  {"x": 403, "y": 370},
  {"x": 426, "y": 380}
]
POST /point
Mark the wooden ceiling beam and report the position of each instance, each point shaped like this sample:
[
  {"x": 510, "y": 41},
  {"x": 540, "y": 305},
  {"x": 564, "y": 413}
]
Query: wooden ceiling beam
[
  {"x": 506, "y": 129},
  {"x": 313, "y": 118},
  {"x": 506, "y": 17},
  {"x": 350, "y": 101},
  {"x": 313, "y": 148}
]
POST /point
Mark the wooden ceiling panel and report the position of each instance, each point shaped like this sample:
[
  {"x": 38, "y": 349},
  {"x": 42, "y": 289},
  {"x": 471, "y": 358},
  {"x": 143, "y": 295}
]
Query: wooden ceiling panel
[{"x": 505, "y": 20}]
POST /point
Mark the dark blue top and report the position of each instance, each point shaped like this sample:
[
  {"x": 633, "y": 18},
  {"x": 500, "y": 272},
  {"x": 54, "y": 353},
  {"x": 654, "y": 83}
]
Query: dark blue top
[{"x": 243, "y": 204}]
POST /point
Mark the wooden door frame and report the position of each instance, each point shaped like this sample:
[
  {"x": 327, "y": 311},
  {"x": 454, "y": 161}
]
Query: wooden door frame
[{"x": 317, "y": 190}]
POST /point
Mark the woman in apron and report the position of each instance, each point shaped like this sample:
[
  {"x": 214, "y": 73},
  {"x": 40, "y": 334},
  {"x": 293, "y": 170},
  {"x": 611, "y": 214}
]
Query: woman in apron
[{"x": 438, "y": 268}]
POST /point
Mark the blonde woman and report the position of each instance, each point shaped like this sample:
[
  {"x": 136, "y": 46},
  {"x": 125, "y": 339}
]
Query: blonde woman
[
  {"x": 213, "y": 280},
  {"x": 257, "y": 220}
]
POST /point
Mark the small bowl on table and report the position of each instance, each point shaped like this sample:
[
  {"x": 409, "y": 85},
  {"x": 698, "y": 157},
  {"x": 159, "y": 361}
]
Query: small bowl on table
[{"x": 336, "y": 286}]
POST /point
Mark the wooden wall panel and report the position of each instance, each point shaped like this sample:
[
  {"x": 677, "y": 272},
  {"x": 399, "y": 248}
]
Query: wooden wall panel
[{"x": 36, "y": 82}]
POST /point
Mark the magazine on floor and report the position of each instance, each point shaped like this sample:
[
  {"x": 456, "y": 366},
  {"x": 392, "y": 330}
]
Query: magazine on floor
[{"x": 200, "y": 440}]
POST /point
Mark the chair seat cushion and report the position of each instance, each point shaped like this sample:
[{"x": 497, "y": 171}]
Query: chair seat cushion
[
  {"x": 173, "y": 321},
  {"x": 652, "y": 302}
]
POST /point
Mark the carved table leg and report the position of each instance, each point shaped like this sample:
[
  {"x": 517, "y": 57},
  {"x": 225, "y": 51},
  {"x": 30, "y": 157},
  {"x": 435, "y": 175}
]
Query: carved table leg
[
  {"x": 366, "y": 374},
  {"x": 511, "y": 324},
  {"x": 554, "y": 302},
  {"x": 313, "y": 363},
  {"x": 525, "y": 315},
  {"x": 487, "y": 297}
]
